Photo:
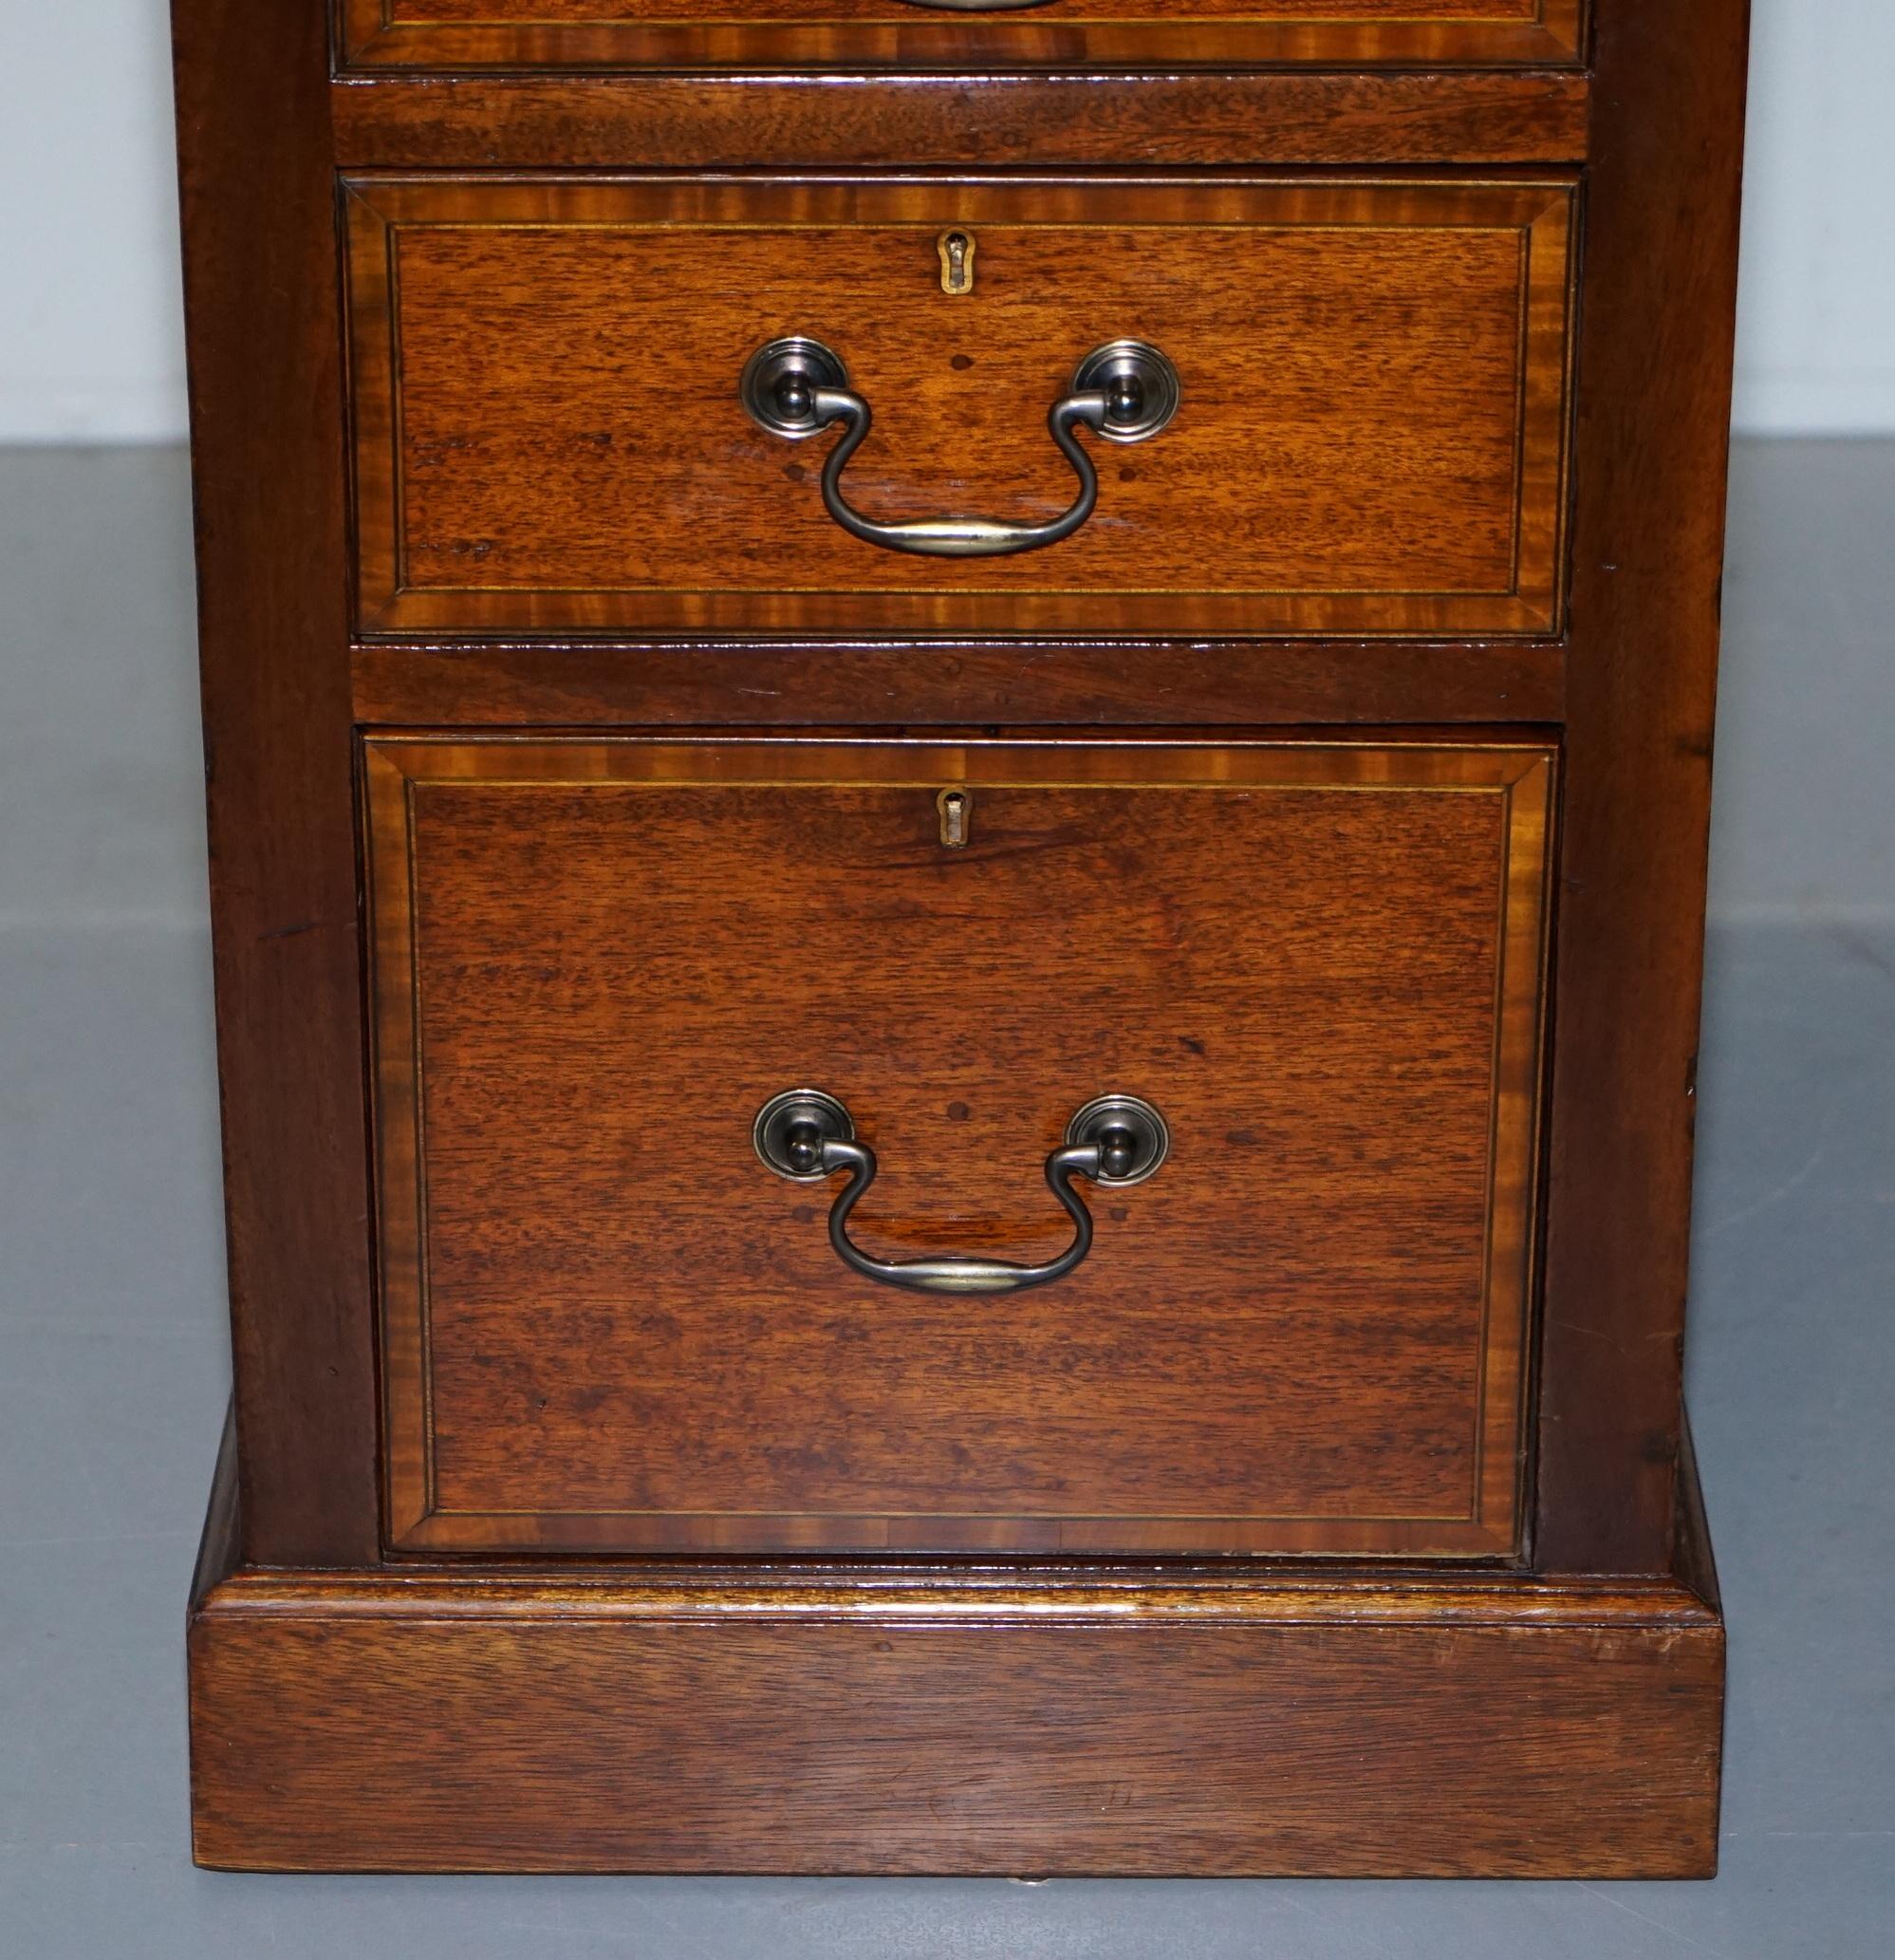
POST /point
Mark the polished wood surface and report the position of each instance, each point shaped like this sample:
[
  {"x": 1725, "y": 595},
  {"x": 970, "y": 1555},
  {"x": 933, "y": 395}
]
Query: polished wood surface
[
  {"x": 839, "y": 33},
  {"x": 548, "y": 435},
  {"x": 1658, "y": 302},
  {"x": 1196, "y": 120},
  {"x": 895, "y": 1720},
  {"x": 1153, "y": 683},
  {"x": 272, "y": 615},
  {"x": 607, "y": 1325},
  {"x": 1540, "y": 1698},
  {"x": 1527, "y": 1749}
]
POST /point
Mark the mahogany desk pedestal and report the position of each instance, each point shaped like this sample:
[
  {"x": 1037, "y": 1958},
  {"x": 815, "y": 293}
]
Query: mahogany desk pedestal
[{"x": 958, "y": 776}]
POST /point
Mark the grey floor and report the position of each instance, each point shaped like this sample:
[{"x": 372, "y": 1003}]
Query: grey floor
[{"x": 113, "y": 1366}]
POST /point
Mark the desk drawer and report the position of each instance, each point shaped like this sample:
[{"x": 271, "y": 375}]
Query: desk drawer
[
  {"x": 919, "y": 34},
  {"x": 1368, "y": 436},
  {"x": 609, "y": 1326}
]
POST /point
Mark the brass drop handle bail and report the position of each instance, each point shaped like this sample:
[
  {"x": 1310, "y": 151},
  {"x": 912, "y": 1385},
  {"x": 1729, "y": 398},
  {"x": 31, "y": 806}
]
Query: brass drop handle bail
[
  {"x": 807, "y": 1136},
  {"x": 795, "y": 387}
]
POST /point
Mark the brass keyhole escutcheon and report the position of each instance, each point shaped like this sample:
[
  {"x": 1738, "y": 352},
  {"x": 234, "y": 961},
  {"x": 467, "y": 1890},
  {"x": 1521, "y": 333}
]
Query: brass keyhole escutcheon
[
  {"x": 956, "y": 807},
  {"x": 956, "y": 250}
]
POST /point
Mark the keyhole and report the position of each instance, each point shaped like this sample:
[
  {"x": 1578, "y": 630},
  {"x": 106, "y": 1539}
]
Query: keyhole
[
  {"x": 957, "y": 250},
  {"x": 953, "y": 806}
]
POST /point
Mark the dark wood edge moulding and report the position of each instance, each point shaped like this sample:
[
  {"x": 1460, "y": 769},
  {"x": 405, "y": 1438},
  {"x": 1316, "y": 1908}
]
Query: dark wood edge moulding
[
  {"x": 1156, "y": 121},
  {"x": 373, "y": 38},
  {"x": 262, "y": 328},
  {"x": 258, "y": 169},
  {"x": 1657, "y": 314},
  {"x": 1024, "y": 683}
]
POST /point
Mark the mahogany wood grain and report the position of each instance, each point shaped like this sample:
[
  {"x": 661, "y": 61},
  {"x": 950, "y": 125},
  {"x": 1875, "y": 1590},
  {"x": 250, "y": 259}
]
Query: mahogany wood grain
[
  {"x": 1024, "y": 685},
  {"x": 273, "y": 608},
  {"x": 548, "y": 435},
  {"x": 1190, "y": 121},
  {"x": 1523, "y": 1749},
  {"x": 695, "y": 1720},
  {"x": 435, "y": 1708},
  {"x": 816, "y": 34},
  {"x": 1654, "y": 380},
  {"x": 903, "y": 1718},
  {"x": 607, "y": 1326}
]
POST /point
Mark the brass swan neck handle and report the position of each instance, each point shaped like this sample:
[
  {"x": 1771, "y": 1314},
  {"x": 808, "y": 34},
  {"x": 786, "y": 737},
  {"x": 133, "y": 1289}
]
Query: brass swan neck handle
[
  {"x": 807, "y": 1136},
  {"x": 795, "y": 387}
]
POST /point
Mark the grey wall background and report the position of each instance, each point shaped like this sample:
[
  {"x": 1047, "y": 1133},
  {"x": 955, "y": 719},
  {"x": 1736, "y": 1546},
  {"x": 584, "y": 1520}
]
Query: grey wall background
[{"x": 91, "y": 350}]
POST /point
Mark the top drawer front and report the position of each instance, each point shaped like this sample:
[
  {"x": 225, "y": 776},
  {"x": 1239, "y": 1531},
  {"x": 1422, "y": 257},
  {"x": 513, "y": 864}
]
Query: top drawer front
[
  {"x": 549, "y": 438},
  {"x": 953, "y": 33}
]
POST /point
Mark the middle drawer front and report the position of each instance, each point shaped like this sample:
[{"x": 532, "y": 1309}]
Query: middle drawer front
[
  {"x": 608, "y": 1325},
  {"x": 1368, "y": 436}
]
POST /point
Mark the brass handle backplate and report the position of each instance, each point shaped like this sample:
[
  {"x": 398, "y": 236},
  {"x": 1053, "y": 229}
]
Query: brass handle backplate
[{"x": 807, "y": 1136}]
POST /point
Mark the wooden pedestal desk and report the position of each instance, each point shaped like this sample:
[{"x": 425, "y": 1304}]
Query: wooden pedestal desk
[{"x": 958, "y": 770}]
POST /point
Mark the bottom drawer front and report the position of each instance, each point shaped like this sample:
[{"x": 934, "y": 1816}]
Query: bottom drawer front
[{"x": 609, "y": 1326}]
